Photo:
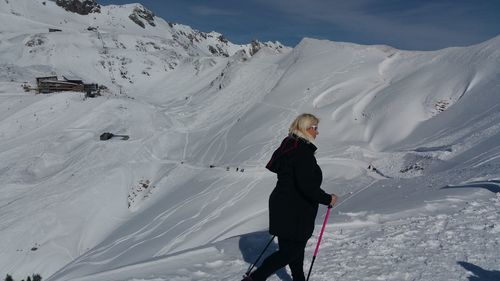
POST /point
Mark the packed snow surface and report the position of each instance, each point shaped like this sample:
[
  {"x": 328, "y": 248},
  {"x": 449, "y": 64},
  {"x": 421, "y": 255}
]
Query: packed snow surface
[{"x": 408, "y": 140}]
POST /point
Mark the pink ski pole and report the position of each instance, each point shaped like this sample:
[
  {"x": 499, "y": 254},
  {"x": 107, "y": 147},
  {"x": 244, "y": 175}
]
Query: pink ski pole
[{"x": 319, "y": 240}]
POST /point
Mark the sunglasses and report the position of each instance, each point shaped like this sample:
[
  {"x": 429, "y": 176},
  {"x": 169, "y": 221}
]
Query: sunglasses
[{"x": 314, "y": 128}]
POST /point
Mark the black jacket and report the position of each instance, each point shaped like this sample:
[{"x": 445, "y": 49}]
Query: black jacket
[{"x": 293, "y": 204}]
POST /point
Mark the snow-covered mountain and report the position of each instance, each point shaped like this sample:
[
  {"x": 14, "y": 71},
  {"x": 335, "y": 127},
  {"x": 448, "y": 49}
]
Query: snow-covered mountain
[
  {"x": 121, "y": 44},
  {"x": 185, "y": 198}
]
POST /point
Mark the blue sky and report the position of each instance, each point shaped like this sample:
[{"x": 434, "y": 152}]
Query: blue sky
[{"x": 410, "y": 24}]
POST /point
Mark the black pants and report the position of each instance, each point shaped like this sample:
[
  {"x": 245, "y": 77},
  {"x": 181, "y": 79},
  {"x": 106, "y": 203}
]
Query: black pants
[{"x": 291, "y": 253}]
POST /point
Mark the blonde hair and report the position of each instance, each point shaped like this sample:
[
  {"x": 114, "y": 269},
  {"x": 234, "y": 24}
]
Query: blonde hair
[{"x": 300, "y": 125}]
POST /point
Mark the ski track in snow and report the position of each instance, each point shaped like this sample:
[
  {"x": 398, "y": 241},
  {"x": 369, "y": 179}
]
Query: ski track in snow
[
  {"x": 211, "y": 215},
  {"x": 162, "y": 226}
]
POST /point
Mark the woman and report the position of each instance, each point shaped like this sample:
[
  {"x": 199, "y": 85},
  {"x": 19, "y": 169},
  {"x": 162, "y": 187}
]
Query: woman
[{"x": 293, "y": 204}]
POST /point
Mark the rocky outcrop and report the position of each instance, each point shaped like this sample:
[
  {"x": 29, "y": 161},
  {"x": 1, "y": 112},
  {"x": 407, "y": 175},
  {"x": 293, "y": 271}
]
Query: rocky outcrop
[
  {"x": 218, "y": 50},
  {"x": 255, "y": 46},
  {"x": 139, "y": 14},
  {"x": 84, "y": 7}
]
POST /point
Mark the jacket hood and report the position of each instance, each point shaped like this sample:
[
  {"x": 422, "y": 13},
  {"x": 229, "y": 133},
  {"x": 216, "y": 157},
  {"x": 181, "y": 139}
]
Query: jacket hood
[{"x": 288, "y": 146}]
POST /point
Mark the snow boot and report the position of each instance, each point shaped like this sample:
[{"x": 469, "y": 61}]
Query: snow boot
[{"x": 247, "y": 278}]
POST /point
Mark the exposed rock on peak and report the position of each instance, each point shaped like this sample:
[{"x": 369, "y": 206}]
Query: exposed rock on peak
[
  {"x": 140, "y": 13},
  {"x": 255, "y": 46},
  {"x": 84, "y": 7}
]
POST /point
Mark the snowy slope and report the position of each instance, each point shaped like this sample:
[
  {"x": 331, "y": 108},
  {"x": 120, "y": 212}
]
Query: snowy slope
[{"x": 185, "y": 198}]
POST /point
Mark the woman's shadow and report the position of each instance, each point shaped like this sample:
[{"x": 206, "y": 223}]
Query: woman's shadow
[
  {"x": 479, "y": 273},
  {"x": 251, "y": 246}
]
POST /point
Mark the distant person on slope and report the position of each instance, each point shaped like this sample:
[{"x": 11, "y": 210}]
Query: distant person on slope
[{"x": 294, "y": 202}]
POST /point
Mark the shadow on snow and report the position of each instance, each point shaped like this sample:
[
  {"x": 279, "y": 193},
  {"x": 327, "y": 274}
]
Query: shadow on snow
[
  {"x": 493, "y": 185},
  {"x": 252, "y": 244},
  {"x": 480, "y": 274}
]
